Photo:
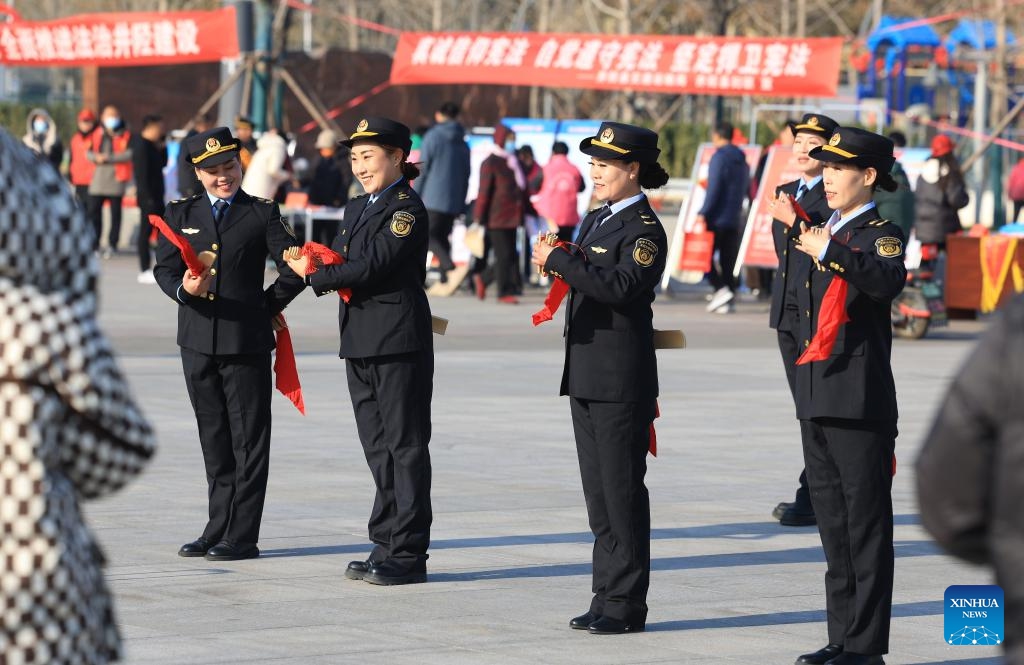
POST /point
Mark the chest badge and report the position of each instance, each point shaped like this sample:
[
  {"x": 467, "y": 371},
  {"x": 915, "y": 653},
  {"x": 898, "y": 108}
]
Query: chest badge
[
  {"x": 644, "y": 252},
  {"x": 401, "y": 223},
  {"x": 598, "y": 250},
  {"x": 190, "y": 231}
]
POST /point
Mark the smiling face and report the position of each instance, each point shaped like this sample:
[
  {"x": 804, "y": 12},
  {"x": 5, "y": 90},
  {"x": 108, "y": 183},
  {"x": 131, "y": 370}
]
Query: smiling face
[
  {"x": 222, "y": 180},
  {"x": 612, "y": 179},
  {"x": 847, "y": 187},
  {"x": 803, "y": 142},
  {"x": 374, "y": 167}
]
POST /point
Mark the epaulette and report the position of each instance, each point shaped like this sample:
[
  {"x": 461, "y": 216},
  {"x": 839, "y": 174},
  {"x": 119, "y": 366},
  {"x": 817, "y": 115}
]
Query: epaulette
[
  {"x": 262, "y": 200},
  {"x": 402, "y": 194},
  {"x": 187, "y": 198},
  {"x": 879, "y": 222},
  {"x": 647, "y": 216}
]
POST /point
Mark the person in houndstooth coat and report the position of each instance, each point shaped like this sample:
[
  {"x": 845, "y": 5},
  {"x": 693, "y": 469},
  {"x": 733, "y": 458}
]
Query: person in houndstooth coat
[{"x": 69, "y": 428}]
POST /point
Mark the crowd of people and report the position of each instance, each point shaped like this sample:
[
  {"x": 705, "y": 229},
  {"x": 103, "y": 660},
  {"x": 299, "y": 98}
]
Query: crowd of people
[{"x": 841, "y": 264}]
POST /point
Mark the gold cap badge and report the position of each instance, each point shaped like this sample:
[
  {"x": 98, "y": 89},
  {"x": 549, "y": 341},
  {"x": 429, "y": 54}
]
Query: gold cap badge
[
  {"x": 607, "y": 136},
  {"x": 835, "y": 140},
  {"x": 212, "y": 144},
  {"x": 813, "y": 121},
  {"x": 361, "y": 127}
]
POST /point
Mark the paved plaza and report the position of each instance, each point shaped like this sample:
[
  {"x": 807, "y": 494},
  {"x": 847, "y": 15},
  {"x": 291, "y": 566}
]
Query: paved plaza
[{"x": 509, "y": 565}]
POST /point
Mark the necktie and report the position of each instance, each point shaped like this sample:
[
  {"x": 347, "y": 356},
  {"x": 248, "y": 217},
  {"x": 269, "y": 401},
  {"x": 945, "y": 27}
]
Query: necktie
[
  {"x": 800, "y": 191},
  {"x": 218, "y": 210},
  {"x": 604, "y": 214}
]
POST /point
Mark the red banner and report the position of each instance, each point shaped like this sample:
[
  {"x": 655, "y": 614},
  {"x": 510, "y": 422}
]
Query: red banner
[
  {"x": 700, "y": 65},
  {"x": 121, "y": 39}
]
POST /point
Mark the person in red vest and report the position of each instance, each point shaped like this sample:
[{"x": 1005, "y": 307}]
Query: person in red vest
[
  {"x": 80, "y": 167},
  {"x": 112, "y": 155}
]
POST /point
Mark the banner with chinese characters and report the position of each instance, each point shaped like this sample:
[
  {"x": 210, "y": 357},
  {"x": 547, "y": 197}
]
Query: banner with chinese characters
[
  {"x": 121, "y": 39},
  {"x": 660, "y": 63}
]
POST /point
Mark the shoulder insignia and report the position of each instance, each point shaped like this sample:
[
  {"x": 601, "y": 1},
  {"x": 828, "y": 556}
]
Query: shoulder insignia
[
  {"x": 196, "y": 196},
  {"x": 644, "y": 252},
  {"x": 261, "y": 200},
  {"x": 287, "y": 225},
  {"x": 889, "y": 247},
  {"x": 401, "y": 196},
  {"x": 598, "y": 250},
  {"x": 401, "y": 223},
  {"x": 647, "y": 217},
  {"x": 878, "y": 222}
]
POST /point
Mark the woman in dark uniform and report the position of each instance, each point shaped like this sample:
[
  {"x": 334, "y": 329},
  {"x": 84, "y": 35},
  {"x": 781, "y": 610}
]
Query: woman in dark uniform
[
  {"x": 845, "y": 394},
  {"x": 386, "y": 342},
  {"x": 610, "y": 373}
]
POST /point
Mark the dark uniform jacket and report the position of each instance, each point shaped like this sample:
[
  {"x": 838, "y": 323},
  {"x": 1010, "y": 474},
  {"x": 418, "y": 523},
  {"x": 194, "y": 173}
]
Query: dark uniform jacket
[
  {"x": 235, "y": 315},
  {"x": 385, "y": 251},
  {"x": 609, "y": 352},
  {"x": 814, "y": 204},
  {"x": 856, "y": 381}
]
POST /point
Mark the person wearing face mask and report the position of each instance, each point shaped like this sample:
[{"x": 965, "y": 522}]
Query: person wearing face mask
[
  {"x": 387, "y": 346},
  {"x": 226, "y": 321},
  {"x": 41, "y": 137},
  {"x": 812, "y": 131},
  {"x": 610, "y": 372},
  {"x": 845, "y": 393},
  {"x": 80, "y": 167},
  {"x": 149, "y": 156},
  {"x": 111, "y": 152}
]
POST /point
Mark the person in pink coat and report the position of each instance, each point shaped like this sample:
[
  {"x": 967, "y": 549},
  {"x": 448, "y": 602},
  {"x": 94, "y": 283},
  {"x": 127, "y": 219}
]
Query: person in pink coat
[{"x": 557, "y": 200}]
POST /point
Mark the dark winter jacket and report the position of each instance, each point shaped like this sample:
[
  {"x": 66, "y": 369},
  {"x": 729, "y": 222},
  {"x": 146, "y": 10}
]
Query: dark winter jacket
[
  {"x": 444, "y": 166},
  {"x": 898, "y": 206},
  {"x": 939, "y": 194},
  {"x": 728, "y": 181},
  {"x": 970, "y": 474}
]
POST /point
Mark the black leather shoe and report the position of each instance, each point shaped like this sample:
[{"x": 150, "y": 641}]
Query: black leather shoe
[
  {"x": 610, "y": 626},
  {"x": 357, "y": 569},
  {"x": 850, "y": 658},
  {"x": 781, "y": 508},
  {"x": 821, "y": 656},
  {"x": 390, "y": 573},
  {"x": 583, "y": 621},
  {"x": 797, "y": 516},
  {"x": 197, "y": 547},
  {"x": 225, "y": 551}
]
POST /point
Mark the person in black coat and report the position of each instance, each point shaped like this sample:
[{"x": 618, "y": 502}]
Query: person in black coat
[
  {"x": 149, "y": 156},
  {"x": 845, "y": 393},
  {"x": 970, "y": 473},
  {"x": 812, "y": 131},
  {"x": 226, "y": 334},
  {"x": 610, "y": 372},
  {"x": 940, "y": 193},
  {"x": 387, "y": 346}
]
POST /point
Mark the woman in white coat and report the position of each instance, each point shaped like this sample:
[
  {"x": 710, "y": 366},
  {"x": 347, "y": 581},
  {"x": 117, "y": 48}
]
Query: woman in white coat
[{"x": 266, "y": 170}]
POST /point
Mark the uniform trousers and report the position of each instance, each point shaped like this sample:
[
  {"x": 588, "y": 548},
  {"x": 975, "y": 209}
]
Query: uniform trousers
[
  {"x": 231, "y": 398},
  {"x": 789, "y": 349},
  {"x": 612, "y": 439},
  {"x": 849, "y": 470},
  {"x": 391, "y": 399}
]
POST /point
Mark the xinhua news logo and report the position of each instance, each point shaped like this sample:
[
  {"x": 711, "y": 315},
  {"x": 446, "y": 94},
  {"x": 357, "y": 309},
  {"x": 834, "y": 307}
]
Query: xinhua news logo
[{"x": 974, "y": 615}]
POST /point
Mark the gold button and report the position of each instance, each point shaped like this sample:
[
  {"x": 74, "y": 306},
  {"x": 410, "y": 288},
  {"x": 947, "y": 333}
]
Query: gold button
[
  {"x": 783, "y": 273},
  {"x": 784, "y": 252},
  {"x": 808, "y": 313},
  {"x": 807, "y": 285},
  {"x": 343, "y": 231},
  {"x": 213, "y": 271},
  {"x": 210, "y": 296},
  {"x": 215, "y": 247},
  {"x": 345, "y": 248},
  {"x": 807, "y": 343}
]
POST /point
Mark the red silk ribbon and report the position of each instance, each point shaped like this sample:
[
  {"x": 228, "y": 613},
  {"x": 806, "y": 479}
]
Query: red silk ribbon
[
  {"x": 557, "y": 292},
  {"x": 195, "y": 266},
  {"x": 322, "y": 255},
  {"x": 830, "y": 318},
  {"x": 652, "y": 436},
  {"x": 285, "y": 372}
]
